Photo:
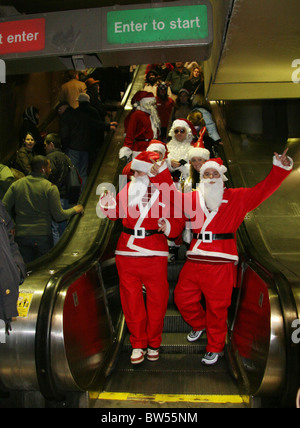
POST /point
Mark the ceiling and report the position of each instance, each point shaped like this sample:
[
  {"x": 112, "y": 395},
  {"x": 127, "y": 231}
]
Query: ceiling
[
  {"x": 42, "y": 6},
  {"x": 255, "y": 44},
  {"x": 259, "y": 48}
]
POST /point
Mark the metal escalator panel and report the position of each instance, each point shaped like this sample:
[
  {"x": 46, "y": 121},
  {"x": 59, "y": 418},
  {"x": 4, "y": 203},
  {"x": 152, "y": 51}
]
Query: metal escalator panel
[
  {"x": 257, "y": 336},
  {"x": 81, "y": 331}
]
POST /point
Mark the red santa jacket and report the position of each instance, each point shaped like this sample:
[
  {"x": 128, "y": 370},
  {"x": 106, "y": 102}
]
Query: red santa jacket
[
  {"x": 139, "y": 133},
  {"x": 142, "y": 218},
  {"x": 227, "y": 219}
]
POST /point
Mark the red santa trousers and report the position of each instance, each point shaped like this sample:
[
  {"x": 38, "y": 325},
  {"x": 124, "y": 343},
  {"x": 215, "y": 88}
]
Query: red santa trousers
[
  {"x": 145, "y": 322},
  {"x": 215, "y": 282}
]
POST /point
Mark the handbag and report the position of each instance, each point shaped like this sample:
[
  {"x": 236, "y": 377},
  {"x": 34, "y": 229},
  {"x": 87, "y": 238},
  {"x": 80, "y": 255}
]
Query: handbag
[{"x": 74, "y": 182}]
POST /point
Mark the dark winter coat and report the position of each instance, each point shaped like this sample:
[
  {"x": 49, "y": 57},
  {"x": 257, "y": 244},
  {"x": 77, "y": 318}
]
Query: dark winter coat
[{"x": 12, "y": 268}]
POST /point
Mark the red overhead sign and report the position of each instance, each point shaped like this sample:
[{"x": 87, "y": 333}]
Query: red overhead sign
[{"x": 22, "y": 36}]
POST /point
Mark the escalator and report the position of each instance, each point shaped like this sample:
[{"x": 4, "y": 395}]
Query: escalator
[
  {"x": 71, "y": 346},
  {"x": 261, "y": 364},
  {"x": 178, "y": 379}
]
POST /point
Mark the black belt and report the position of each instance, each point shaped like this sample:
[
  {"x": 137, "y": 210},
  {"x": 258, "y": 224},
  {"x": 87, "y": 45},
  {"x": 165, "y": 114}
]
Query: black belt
[
  {"x": 209, "y": 236},
  {"x": 142, "y": 139},
  {"x": 140, "y": 232}
]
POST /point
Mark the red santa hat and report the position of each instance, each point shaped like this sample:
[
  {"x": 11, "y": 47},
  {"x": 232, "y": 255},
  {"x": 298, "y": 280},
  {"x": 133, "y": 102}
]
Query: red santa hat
[
  {"x": 143, "y": 161},
  {"x": 158, "y": 146},
  {"x": 141, "y": 96},
  {"x": 216, "y": 164},
  {"x": 199, "y": 149}
]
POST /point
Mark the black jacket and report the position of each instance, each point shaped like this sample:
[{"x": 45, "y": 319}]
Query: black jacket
[
  {"x": 78, "y": 128},
  {"x": 12, "y": 268},
  {"x": 59, "y": 171}
]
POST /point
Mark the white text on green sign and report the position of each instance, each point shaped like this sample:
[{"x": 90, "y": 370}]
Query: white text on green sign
[{"x": 157, "y": 25}]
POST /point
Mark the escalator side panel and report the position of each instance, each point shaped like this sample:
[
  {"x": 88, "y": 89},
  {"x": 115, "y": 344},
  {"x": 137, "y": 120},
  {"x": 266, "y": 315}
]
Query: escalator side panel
[
  {"x": 258, "y": 337},
  {"x": 81, "y": 332}
]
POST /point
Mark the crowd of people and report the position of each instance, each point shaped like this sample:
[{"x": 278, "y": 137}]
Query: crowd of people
[
  {"x": 35, "y": 186},
  {"x": 36, "y": 190},
  {"x": 170, "y": 138}
]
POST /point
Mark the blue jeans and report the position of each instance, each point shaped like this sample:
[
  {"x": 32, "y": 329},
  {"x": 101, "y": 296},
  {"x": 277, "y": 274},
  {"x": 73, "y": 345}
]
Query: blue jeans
[
  {"x": 59, "y": 228},
  {"x": 80, "y": 159},
  {"x": 32, "y": 247}
]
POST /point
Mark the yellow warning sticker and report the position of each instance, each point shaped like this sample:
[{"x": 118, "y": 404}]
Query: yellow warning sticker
[{"x": 24, "y": 302}]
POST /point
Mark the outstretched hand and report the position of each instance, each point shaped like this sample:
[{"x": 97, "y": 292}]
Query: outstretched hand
[
  {"x": 284, "y": 159},
  {"x": 162, "y": 225},
  {"x": 155, "y": 167},
  {"x": 107, "y": 199}
]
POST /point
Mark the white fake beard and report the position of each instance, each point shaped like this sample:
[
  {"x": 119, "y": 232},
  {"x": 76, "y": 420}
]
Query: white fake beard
[
  {"x": 213, "y": 193},
  {"x": 155, "y": 120},
  {"x": 137, "y": 190}
]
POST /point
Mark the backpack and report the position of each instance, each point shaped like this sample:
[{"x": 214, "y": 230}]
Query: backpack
[{"x": 73, "y": 184}]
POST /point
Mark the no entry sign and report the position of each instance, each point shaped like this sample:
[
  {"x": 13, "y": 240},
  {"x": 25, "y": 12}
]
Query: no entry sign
[{"x": 22, "y": 36}]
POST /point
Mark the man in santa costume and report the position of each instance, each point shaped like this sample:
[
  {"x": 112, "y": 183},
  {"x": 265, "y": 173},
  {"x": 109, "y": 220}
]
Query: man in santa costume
[
  {"x": 155, "y": 146},
  {"x": 141, "y": 125},
  {"x": 142, "y": 256},
  {"x": 212, "y": 258},
  {"x": 183, "y": 134}
]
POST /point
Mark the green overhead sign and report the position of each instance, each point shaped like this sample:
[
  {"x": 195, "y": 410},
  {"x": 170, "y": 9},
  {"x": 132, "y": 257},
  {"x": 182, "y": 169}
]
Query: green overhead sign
[{"x": 180, "y": 23}]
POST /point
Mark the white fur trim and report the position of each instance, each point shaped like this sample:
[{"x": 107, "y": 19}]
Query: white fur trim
[
  {"x": 178, "y": 123},
  {"x": 138, "y": 165},
  {"x": 142, "y": 253},
  {"x": 214, "y": 165},
  {"x": 201, "y": 253},
  {"x": 168, "y": 230},
  {"x": 199, "y": 153},
  {"x": 278, "y": 163},
  {"x": 125, "y": 152},
  {"x": 156, "y": 147}
]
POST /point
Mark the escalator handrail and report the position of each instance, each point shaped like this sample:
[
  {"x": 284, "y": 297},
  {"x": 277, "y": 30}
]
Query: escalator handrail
[
  {"x": 73, "y": 222},
  {"x": 45, "y": 376}
]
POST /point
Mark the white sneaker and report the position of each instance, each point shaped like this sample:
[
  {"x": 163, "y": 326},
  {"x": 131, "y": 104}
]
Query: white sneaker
[
  {"x": 137, "y": 356},
  {"x": 211, "y": 358},
  {"x": 153, "y": 354},
  {"x": 194, "y": 335}
]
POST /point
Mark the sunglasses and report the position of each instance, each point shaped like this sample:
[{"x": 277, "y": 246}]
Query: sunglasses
[{"x": 179, "y": 131}]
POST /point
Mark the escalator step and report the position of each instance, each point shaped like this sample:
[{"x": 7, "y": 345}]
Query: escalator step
[
  {"x": 175, "y": 323},
  {"x": 174, "y": 343},
  {"x": 173, "y": 374}
]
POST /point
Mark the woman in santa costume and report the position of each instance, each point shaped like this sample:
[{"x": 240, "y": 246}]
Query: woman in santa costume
[
  {"x": 141, "y": 125},
  {"x": 197, "y": 157},
  {"x": 142, "y": 256},
  {"x": 212, "y": 258}
]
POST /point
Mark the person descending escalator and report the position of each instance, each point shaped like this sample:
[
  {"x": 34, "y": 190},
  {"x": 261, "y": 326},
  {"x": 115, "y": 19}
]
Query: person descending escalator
[{"x": 211, "y": 266}]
